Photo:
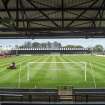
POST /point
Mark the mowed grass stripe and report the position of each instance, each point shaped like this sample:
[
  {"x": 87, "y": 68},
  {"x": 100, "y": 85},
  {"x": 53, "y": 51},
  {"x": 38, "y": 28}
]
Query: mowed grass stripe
[
  {"x": 18, "y": 62},
  {"x": 76, "y": 74},
  {"x": 11, "y": 76},
  {"x": 51, "y": 76},
  {"x": 89, "y": 82},
  {"x": 99, "y": 72},
  {"x": 22, "y": 63},
  {"x": 98, "y": 68},
  {"x": 4, "y": 69},
  {"x": 44, "y": 75},
  {"x": 22, "y": 70},
  {"x": 43, "y": 78},
  {"x": 24, "y": 81},
  {"x": 40, "y": 76},
  {"x": 31, "y": 69},
  {"x": 23, "y": 66},
  {"x": 67, "y": 73},
  {"x": 16, "y": 69},
  {"x": 72, "y": 69},
  {"x": 5, "y": 64},
  {"x": 11, "y": 59}
]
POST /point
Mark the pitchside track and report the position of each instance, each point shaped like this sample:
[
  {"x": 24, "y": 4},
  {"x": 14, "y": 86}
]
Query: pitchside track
[{"x": 52, "y": 71}]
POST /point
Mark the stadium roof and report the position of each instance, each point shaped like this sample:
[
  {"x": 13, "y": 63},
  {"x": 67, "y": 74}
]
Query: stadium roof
[{"x": 52, "y": 19}]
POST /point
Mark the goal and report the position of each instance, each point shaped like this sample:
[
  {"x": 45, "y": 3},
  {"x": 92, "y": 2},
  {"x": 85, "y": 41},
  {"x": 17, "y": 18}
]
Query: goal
[{"x": 57, "y": 66}]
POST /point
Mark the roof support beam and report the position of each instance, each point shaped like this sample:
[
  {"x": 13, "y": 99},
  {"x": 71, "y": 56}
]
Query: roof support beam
[
  {"x": 23, "y": 13},
  {"x": 54, "y": 9},
  {"x": 5, "y": 3},
  {"x": 17, "y": 13},
  {"x": 51, "y": 35},
  {"x": 24, "y": 16},
  {"x": 62, "y": 13},
  {"x": 84, "y": 11},
  {"x": 98, "y": 14},
  {"x": 31, "y": 3},
  {"x": 101, "y": 12},
  {"x": 64, "y": 19},
  {"x": 43, "y": 4},
  {"x": 54, "y": 29}
]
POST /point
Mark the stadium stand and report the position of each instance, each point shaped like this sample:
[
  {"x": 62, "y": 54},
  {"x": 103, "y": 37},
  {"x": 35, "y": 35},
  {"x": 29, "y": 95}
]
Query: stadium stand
[
  {"x": 88, "y": 95},
  {"x": 51, "y": 96},
  {"x": 28, "y": 95},
  {"x": 50, "y": 51}
]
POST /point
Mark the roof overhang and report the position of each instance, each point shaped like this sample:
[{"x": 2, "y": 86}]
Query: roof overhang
[{"x": 52, "y": 19}]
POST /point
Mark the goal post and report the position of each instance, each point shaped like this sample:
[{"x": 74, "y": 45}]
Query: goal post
[{"x": 83, "y": 63}]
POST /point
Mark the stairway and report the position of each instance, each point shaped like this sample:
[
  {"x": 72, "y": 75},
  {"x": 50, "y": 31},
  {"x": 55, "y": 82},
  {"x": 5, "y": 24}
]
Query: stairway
[{"x": 65, "y": 95}]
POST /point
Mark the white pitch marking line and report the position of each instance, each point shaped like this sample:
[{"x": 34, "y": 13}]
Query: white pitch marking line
[
  {"x": 56, "y": 62},
  {"x": 85, "y": 72},
  {"x": 85, "y": 63},
  {"x": 85, "y": 68},
  {"x": 28, "y": 73},
  {"x": 19, "y": 80},
  {"x": 93, "y": 76},
  {"x": 28, "y": 76}
]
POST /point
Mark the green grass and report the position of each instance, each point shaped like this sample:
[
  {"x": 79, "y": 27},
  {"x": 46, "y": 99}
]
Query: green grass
[{"x": 51, "y": 75}]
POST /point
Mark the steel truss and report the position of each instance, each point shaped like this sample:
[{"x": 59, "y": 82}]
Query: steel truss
[{"x": 54, "y": 19}]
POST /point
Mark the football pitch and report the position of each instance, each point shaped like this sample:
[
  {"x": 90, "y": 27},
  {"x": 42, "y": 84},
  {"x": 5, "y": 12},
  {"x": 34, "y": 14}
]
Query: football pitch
[{"x": 80, "y": 71}]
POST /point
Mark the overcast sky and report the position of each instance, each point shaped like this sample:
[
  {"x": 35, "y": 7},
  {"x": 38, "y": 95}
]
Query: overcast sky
[{"x": 83, "y": 42}]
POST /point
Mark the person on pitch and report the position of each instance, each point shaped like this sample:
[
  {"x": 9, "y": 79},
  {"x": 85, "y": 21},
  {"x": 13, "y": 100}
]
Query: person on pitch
[{"x": 12, "y": 66}]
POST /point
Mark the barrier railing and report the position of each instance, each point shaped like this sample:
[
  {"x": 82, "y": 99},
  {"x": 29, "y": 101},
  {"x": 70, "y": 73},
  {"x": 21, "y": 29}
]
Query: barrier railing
[{"x": 30, "y": 97}]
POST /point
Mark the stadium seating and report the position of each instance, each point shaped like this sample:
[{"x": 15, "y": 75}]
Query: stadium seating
[
  {"x": 28, "y": 95},
  {"x": 50, "y": 51},
  {"x": 50, "y": 96},
  {"x": 89, "y": 95}
]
